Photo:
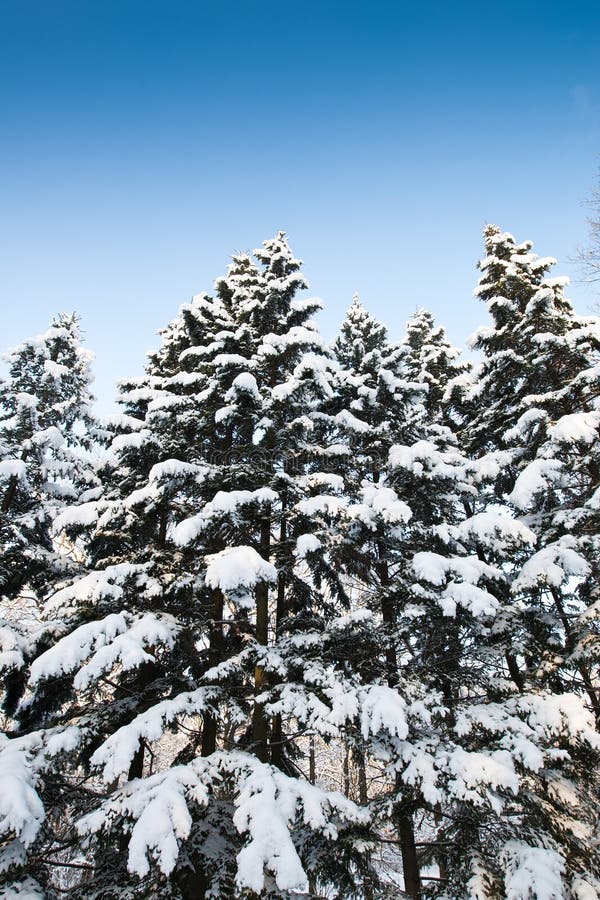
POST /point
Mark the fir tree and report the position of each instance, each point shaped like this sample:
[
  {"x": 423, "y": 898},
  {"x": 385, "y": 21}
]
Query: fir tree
[
  {"x": 430, "y": 359},
  {"x": 201, "y": 565},
  {"x": 47, "y": 435},
  {"x": 542, "y": 442}
]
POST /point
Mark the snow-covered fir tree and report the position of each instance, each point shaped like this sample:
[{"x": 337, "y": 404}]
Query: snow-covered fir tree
[
  {"x": 365, "y": 556},
  {"x": 45, "y": 425},
  {"x": 47, "y": 441},
  {"x": 543, "y": 447},
  {"x": 207, "y": 582},
  {"x": 430, "y": 359},
  {"x": 440, "y": 581},
  {"x": 536, "y": 354}
]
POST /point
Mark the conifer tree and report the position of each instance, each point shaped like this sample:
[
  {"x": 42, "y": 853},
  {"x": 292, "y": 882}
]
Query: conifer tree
[
  {"x": 537, "y": 353},
  {"x": 47, "y": 435},
  {"x": 543, "y": 441},
  {"x": 430, "y": 359},
  {"x": 381, "y": 405},
  {"x": 45, "y": 424},
  {"x": 202, "y": 547}
]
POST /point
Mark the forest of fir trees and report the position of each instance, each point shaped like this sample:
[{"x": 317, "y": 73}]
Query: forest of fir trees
[{"x": 306, "y": 619}]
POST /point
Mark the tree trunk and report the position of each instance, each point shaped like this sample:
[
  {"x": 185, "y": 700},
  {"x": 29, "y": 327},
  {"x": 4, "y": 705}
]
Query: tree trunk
[
  {"x": 215, "y": 652},
  {"x": 591, "y": 691},
  {"x": 410, "y": 864},
  {"x": 406, "y": 832},
  {"x": 363, "y": 799},
  {"x": 346, "y": 771},
  {"x": 260, "y": 725},
  {"x": 277, "y": 756}
]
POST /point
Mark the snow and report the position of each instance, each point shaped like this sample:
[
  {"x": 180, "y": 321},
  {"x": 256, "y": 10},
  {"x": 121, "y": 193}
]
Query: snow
[
  {"x": 558, "y": 715},
  {"x": 267, "y": 803},
  {"x": 223, "y": 504},
  {"x": 379, "y": 504},
  {"x": 85, "y": 514},
  {"x": 128, "y": 649},
  {"x": 244, "y": 383},
  {"x": 472, "y": 598},
  {"x": 103, "y": 643},
  {"x": 117, "y": 751},
  {"x": 72, "y": 650},
  {"x": 496, "y": 531},
  {"x": 424, "y": 460},
  {"x": 540, "y": 475},
  {"x": 382, "y": 708},
  {"x": 130, "y": 441},
  {"x": 435, "y": 568},
  {"x": 21, "y": 810},
  {"x": 27, "y": 889},
  {"x": 350, "y": 422},
  {"x": 323, "y": 479},
  {"x": 307, "y": 543},
  {"x": 578, "y": 428},
  {"x": 237, "y": 569},
  {"x": 13, "y": 468},
  {"x": 123, "y": 422},
  {"x": 322, "y": 503},
  {"x": 585, "y": 887},
  {"x": 158, "y": 806},
  {"x": 174, "y": 468},
  {"x": 12, "y": 647},
  {"x": 552, "y": 565},
  {"x": 307, "y": 304},
  {"x": 532, "y": 872},
  {"x": 105, "y": 584},
  {"x": 265, "y": 818}
]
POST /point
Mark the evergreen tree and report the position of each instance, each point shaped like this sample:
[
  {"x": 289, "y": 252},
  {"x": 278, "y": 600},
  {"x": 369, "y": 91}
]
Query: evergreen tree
[
  {"x": 47, "y": 438},
  {"x": 45, "y": 425},
  {"x": 430, "y": 359},
  {"x": 367, "y": 553},
  {"x": 176, "y": 626},
  {"x": 381, "y": 405},
  {"x": 537, "y": 355},
  {"x": 543, "y": 445}
]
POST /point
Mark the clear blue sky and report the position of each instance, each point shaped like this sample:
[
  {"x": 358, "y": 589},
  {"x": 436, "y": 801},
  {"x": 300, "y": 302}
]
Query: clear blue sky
[{"x": 142, "y": 142}]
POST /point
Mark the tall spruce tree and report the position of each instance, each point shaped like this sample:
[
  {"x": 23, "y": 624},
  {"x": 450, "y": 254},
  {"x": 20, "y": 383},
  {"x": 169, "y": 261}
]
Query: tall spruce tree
[
  {"x": 289, "y": 553},
  {"x": 430, "y": 359},
  {"x": 544, "y": 438},
  {"x": 383, "y": 407},
  {"x": 214, "y": 495},
  {"x": 536, "y": 351},
  {"x": 47, "y": 438}
]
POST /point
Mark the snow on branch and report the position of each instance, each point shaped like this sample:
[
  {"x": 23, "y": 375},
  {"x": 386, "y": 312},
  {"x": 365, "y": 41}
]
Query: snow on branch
[
  {"x": 269, "y": 805},
  {"x": 532, "y": 872},
  {"x": 225, "y": 504},
  {"x": 117, "y": 752},
  {"x": 118, "y": 638},
  {"x": 158, "y": 807},
  {"x": 21, "y": 810},
  {"x": 238, "y": 569},
  {"x": 106, "y": 584},
  {"x": 553, "y": 565}
]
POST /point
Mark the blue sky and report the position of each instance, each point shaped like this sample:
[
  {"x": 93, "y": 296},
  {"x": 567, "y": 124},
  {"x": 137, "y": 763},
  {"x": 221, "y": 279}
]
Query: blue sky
[{"x": 143, "y": 142}]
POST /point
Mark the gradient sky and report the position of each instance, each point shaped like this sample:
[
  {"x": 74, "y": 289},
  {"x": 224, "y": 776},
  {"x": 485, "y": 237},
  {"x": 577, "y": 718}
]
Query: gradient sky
[{"x": 143, "y": 142}]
